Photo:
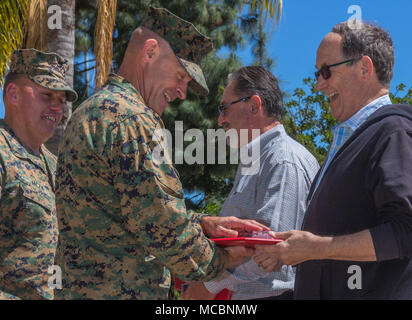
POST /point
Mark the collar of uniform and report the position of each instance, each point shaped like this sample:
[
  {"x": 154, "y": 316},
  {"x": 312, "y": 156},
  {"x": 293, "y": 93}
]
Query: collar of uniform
[
  {"x": 119, "y": 81},
  {"x": 50, "y": 161},
  {"x": 115, "y": 79},
  {"x": 18, "y": 148}
]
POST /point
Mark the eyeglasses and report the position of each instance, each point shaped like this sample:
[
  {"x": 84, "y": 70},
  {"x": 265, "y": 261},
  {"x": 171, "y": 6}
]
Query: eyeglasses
[
  {"x": 324, "y": 71},
  {"x": 222, "y": 108}
]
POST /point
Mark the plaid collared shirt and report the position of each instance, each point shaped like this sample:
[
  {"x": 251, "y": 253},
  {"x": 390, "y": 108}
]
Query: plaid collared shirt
[
  {"x": 275, "y": 196},
  {"x": 342, "y": 131}
]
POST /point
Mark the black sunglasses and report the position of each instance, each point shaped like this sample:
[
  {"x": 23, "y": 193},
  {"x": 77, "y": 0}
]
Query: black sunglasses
[
  {"x": 324, "y": 71},
  {"x": 222, "y": 108}
]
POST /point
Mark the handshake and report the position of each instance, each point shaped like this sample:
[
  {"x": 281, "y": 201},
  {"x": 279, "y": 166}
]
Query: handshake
[
  {"x": 292, "y": 247},
  {"x": 233, "y": 227},
  {"x": 248, "y": 239}
]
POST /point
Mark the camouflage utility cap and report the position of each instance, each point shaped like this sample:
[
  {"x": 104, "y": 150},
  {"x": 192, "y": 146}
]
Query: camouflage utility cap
[
  {"x": 188, "y": 44},
  {"x": 46, "y": 69}
]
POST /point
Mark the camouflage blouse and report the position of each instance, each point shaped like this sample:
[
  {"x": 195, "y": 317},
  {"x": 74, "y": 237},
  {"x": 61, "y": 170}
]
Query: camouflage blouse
[
  {"x": 122, "y": 218},
  {"x": 28, "y": 229}
]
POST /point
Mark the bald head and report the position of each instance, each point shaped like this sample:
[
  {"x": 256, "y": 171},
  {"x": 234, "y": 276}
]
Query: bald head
[
  {"x": 139, "y": 37},
  {"x": 330, "y": 50},
  {"x": 332, "y": 38},
  {"x": 152, "y": 67}
]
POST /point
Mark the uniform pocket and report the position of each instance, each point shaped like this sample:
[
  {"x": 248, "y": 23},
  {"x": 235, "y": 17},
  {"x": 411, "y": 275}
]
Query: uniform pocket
[
  {"x": 39, "y": 194},
  {"x": 171, "y": 186},
  {"x": 167, "y": 178},
  {"x": 30, "y": 212}
]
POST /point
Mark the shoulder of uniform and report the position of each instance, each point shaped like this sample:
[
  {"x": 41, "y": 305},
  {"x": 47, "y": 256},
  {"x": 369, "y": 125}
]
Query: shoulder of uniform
[
  {"x": 2, "y": 131},
  {"x": 4, "y": 146},
  {"x": 6, "y": 137},
  {"x": 3, "y": 128},
  {"x": 116, "y": 105}
]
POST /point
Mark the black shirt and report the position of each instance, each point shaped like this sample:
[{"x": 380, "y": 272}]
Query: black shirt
[{"x": 368, "y": 185}]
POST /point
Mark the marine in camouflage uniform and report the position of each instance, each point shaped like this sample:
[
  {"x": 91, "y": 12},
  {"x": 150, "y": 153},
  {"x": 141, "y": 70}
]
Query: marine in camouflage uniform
[
  {"x": 122, "y": 218},
  {"x": 28, "y": 224}
]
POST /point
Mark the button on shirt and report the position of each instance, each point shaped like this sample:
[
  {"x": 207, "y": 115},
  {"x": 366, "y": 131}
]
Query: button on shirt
[
  {"x": 342, "y": 131},
  {"x": 275, "y": 196}
]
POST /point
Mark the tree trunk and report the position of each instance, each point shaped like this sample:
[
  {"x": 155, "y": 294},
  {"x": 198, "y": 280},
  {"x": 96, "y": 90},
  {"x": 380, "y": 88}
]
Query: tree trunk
[{"x": 61, "y": 41}]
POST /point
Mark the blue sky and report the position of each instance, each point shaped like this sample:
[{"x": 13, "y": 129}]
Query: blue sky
[{"x": 294, "y": 42}]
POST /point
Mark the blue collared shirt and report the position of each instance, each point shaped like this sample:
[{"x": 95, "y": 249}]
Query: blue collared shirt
[{"x": 342, "y": 131}]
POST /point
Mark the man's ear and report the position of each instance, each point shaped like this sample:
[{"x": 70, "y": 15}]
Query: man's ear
[
  {"x": 12, "y": 93},
  {"x": 367, "y": 67},
  {"x": 150, "y": 50},
  {"x": 256, "y": 104}
]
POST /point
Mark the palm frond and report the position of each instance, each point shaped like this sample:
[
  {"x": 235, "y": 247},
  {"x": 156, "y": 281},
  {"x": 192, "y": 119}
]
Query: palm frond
[
  {"x": 103, "y": 44},
  {"x": 36, "y": 25},
  {"x": 273, "y": 7},
  {"x": 12, "y": 13}
]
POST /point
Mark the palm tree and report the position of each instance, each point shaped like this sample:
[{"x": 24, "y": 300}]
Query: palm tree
[
  {"x": 61, "y": 40},
  {"x": 106, "y": 17}
]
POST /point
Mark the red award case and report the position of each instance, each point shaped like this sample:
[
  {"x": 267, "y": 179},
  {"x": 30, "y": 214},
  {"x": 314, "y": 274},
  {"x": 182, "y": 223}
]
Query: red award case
[
  {"x": 245, "y": 241},
  {"x": 249, "y": 242}
]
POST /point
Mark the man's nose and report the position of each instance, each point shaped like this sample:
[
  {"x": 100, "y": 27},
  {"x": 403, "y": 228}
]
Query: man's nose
[
  {"x": 181, "y": 92},
  {"x": 57, "y": 105},
  {"x": 321, "y": 83},
  {"x": 220, "y": 119}
]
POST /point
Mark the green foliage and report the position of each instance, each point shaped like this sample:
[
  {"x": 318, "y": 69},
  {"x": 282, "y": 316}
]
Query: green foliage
[
  {"x": 308, "y": 119},
  {"x": 406, "y": 99},
  {"x": 213, "y": 205}
]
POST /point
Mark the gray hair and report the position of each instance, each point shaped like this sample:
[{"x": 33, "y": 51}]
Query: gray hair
[
  {"x": 372, "y": 41},
  {"x": 260, "y": 81}
]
